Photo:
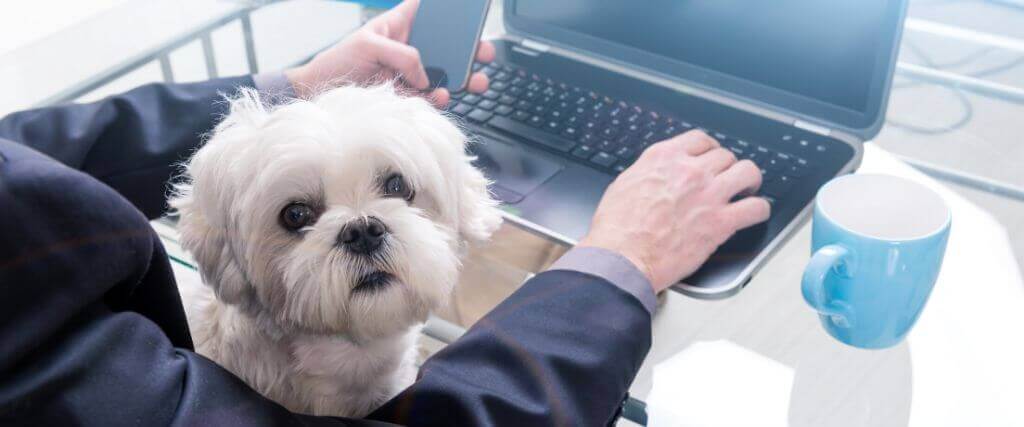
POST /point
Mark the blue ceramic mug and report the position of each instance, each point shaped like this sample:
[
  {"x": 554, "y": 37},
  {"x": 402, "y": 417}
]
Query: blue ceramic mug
[{"x": 877, "y": 246}]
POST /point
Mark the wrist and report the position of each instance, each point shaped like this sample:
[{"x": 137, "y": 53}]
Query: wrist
[{"x": 639, "y": 262}]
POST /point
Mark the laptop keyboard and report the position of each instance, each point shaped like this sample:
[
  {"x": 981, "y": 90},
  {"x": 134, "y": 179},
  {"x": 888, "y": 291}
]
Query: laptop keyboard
[{"x": 604, "y": 133}]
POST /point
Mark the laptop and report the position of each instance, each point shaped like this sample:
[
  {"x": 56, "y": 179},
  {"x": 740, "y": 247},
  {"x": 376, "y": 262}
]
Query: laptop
[{"x": 581, "y": 87}]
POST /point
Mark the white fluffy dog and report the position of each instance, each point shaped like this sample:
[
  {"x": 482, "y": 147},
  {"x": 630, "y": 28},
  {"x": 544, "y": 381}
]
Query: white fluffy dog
[{"x": 326, "y": 231}]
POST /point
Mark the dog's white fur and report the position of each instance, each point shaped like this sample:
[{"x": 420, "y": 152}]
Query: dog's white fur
[{"x": 279, "y": 310}]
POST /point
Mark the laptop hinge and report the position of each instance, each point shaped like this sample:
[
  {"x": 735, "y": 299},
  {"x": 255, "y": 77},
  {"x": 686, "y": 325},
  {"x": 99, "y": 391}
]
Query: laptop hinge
[
  {"x": 534, "y": 45},
  {"x": 811, "y": 127}
]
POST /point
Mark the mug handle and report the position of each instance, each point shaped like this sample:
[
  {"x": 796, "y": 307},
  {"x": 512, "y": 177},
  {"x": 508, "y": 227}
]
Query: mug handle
[{"x": 830, "y": 259}]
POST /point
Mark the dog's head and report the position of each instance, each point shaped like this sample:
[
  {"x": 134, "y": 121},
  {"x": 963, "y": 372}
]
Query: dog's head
[{"x": 344, "y": 214}]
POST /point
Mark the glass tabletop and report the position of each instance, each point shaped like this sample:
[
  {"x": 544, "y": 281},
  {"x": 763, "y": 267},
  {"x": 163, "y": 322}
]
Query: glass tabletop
[{"x": 762, "y": 357}]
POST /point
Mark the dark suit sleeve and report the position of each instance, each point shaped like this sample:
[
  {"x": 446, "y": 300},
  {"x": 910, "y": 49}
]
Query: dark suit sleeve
[
  {"x": 562, "y": 350},
  {"x": 130, "y": 141},
  {"x": 91, "y": 326}
]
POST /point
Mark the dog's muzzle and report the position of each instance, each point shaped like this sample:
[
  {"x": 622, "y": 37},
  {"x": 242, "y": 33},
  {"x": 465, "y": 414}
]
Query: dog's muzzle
[{"x": 363, "y": 236}]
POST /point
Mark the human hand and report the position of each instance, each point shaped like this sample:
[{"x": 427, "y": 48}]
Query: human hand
[
  {"x": 379, "y": 49},
  {"x": 671, "y": 210}
]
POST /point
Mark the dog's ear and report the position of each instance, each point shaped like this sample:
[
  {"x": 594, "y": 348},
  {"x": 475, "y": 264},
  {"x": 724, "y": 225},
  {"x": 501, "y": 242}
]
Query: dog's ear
[
  {"x": 479, "y": 216},
  {"x": 212, "y": 252},
  {"x": 205, "y": 196}
]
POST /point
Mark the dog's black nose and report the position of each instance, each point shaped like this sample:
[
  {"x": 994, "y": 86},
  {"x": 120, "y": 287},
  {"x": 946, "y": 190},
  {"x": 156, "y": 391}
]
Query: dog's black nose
[{"x": 363, "y": 235}]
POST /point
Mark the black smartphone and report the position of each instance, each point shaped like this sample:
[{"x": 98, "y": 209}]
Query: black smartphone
[{"x": 447, "y": 32}]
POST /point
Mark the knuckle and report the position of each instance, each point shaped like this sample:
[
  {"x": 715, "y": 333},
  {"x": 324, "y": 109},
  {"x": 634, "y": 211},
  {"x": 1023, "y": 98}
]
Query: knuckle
[
  {"x": 703, "y": 135},
  {"x": 751, "y": 171},
  {"x": 656, "y": 150},
  {"x": 409, "y": 59},
  {"x": 730, "y": 155},
  {"x": 695, "y": 133},
  {"x": 365, "y": 43},
  {"x": 766, "y": 208}
]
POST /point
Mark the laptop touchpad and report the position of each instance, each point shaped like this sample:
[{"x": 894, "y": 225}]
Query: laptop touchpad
[{"x": 515, "y": 172}]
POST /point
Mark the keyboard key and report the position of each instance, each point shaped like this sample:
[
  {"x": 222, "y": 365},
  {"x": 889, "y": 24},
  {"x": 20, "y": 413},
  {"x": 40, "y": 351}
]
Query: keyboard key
[
  {"x": 530, "y": 134},
  {"x": 459, "y": 94},
  {"x": 461, "y": 109},
  {"x": 583, "y": 151},
  {"x": 604, "y": 159},
  {"x": 479, "y": 115},
  {"x": 778, "y": 187},
  {"x": 487, "y": 104},
  {"x": 607, "y": 132},
  {"x": 798, "y": 171},
  {"x": 625, "y": 152}
]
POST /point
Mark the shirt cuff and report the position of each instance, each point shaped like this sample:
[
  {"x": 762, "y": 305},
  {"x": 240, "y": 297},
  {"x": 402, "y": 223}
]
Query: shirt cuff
[
  {"x": 612, "y": 267},
  {"x": 274, "y": 85}
]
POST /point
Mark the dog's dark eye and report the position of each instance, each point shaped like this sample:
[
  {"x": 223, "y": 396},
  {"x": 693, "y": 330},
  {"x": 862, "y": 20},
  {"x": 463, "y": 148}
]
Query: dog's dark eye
[
  {"x": 395, "y": 186},
  {"x": 296, "y": 216}
]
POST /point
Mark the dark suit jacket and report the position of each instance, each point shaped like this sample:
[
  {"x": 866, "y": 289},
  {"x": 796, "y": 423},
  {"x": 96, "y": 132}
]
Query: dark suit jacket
[{"x": 92, "y": 330}]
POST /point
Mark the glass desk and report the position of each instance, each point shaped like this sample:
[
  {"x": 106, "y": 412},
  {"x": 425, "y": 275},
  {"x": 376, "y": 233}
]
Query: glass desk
[{"x": 762, "y": 358}]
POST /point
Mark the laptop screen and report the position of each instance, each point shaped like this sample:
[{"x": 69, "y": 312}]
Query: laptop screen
[{"x": 821, "y": 50}]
